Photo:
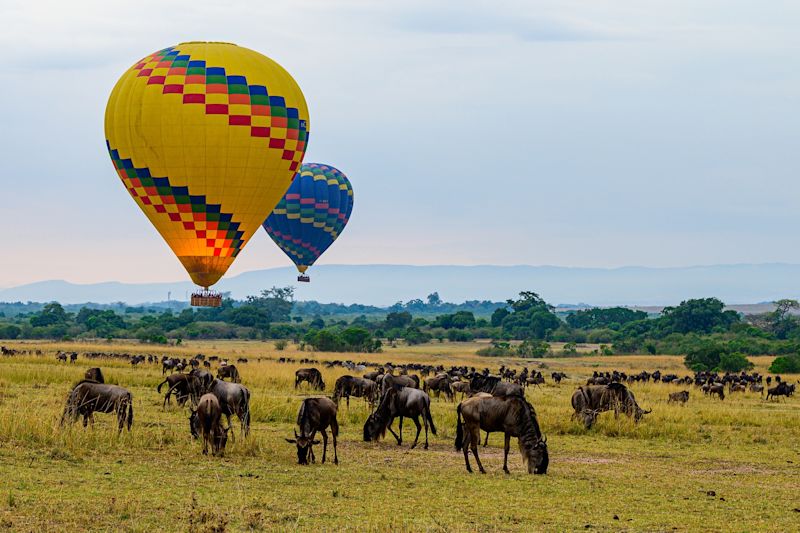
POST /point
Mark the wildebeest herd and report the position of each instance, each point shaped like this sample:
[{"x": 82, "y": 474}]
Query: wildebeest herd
[{"x": 492, "y": 402}]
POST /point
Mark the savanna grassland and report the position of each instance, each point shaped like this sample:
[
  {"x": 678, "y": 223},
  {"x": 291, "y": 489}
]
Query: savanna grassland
[{"x": 709, "y": 465}]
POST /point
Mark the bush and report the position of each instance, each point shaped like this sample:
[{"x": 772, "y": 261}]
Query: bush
[
  {"x": 281, "y": 344},
  {"x": 716, "y": 357},
  {"x": 497, "y": 349},
  {"x": 788, "y": 364},
  {"x": 531, "y": 348},
  {"x": 704, "y": 358},
  {"x": 734, "y": 362}
]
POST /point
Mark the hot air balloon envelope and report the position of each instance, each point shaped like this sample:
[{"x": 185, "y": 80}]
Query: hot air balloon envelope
[
  {"x": 206, "y": 138},
  {"x": 311, "y": 214}
]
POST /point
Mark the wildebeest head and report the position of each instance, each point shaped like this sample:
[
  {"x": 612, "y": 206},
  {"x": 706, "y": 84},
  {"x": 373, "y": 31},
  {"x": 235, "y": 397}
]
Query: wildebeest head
[
  {"x": 589, "y": 417},
  {"x": 639, "y": 413},
  {"x": 303, "y": 445},
  {"x": 373, "y": 428},
  {"x": 220, "y": 440},
  {"x": 536, "y": 456}
]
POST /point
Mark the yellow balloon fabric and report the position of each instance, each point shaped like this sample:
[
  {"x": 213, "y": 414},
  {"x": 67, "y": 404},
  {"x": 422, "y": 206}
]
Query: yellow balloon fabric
[{"x": 207, "y": 138}]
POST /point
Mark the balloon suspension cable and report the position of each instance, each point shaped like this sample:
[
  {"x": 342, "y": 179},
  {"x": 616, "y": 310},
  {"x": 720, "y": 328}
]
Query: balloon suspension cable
[{"x": 206, "y": 298}]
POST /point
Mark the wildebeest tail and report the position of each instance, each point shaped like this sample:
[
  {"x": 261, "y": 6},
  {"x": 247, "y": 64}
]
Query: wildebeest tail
[
  {"x": 459, "y": 429},
  {"x": 130, "y": 411},
  {"x": 430, "y": 419},
  {"x": 158, "y": 389}
]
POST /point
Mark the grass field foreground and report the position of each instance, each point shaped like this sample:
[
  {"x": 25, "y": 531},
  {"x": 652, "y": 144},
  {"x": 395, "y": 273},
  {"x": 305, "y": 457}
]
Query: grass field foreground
[{"x": 710, "y": 465}]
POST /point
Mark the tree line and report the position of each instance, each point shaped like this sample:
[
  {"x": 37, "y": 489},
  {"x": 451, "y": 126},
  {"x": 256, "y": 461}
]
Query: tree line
[{"x": 701, "y": 329}]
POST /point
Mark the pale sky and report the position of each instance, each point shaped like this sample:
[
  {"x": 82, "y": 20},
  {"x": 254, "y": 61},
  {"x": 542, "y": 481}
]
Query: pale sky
[{"x": 578, "y": 133}]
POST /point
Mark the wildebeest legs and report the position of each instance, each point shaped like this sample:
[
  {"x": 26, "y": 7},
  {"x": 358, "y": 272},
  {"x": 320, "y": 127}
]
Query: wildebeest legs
[
  {"x": 474, "y": 440},
  {"x": 419, "y": 428},
  {"x": 396, "y": 436},
  {"x": 324, "y": 444},
  {"x": 505, "y": 453},
  {"x": 486, "y": 441}
]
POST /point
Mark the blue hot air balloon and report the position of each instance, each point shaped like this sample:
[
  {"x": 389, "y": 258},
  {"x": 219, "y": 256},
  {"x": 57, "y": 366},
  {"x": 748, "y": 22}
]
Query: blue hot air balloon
[{"x": 311, "y": 215}]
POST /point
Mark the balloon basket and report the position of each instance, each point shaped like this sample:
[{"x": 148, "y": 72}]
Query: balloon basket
[
  {"x": 206, "y": 298},
  {"x": 303, "y": 278}
]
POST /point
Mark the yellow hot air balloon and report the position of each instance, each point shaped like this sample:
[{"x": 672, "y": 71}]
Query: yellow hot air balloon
[{"x": 206, "y": 137}]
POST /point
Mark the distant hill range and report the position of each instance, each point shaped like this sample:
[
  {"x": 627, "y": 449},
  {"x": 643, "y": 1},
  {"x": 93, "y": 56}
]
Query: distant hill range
[{"x": 386, "y": 284}]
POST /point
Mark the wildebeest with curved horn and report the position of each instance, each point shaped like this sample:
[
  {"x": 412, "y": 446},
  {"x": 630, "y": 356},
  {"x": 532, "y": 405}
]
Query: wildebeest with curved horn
[
  {"x": 402, "y": 402},
  {"x": 94, "y": 374},
  {"x": 208, "y": 420},
  {"x": 178, "y": 385},
  {"x": 315, "y": 414},
  {"x": 494, "y": 386},
  {"x": 581, "y": 403},
  {"x": 347, "y": 386},
  {"x": 439, "y": 383},
  {"x": 679, "y": 397},
  {"x": 513, "y": 416},
  {"x": 311, "y": 375},
  {"x": 234, "y": 399},
  {"x": 88, "y": 397},
  {"x": 229, "y": 371},
  {"x": 589, "y": 400}
]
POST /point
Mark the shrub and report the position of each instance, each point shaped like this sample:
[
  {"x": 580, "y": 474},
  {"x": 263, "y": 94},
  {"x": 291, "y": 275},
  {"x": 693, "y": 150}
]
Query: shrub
[
  {"x": 734, "y": 362},
  {"x": 788, "y": 364},
  {"x": 280, "y": 344},
  {"x": 715, "y": 357},
  {"x": 531, "y": 348},
  {"x": 497, "y": 349}
]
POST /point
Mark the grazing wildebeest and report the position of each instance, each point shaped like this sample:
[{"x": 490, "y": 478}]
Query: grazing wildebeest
[
  {"x": 581, "y": 403},
  {"x": 208, "y": 422},
  {"x": 88, "y": 397},
  {"x": 737, "y": 387},
  {"x": 347, "y": 386},
  {"x": 178, "y": 385},
  {"x": 94, "y": 374},
  {"x": 402, "y": 402},
  {"x": 234, "y": 399},
  {"x": 188, "y": 386},
  {"x": 168, "y": 364},
  {"x": 315, "y": 414},
  {"x": 755, "y": 387},
  {"x": 438, "y": 384},
  {"x": 388, "y": 381},
  {"x": 679, "y": 397},
  {"x": 782, "y": 389},
  {"x": 229, "y": 371},
  {"x": 513, "y": 416},
  {"x": 718, "y": 389},
  {"x": 494, "y": 386},
  {"x": 462, "y": 387},
  {"x": 311, "y": 375},
  {"x": 73, "y": 357},
  {"x": 61, "y": 356},
  {"x": 558, "y": 376},
  {"x": 600, "y": 398}
]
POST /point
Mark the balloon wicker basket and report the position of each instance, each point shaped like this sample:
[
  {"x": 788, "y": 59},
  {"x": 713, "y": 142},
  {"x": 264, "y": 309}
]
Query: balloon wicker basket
[
  {"x": 303, "y": 278},
  {"x": 206, "y": 298}
]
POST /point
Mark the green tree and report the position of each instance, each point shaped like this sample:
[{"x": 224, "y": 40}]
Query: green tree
[
  {"x": 398, "y": 319},
  {"x": 498, "y": 315},
  {"x": 787, "y": 364},
  {"x": 50, "y": 315},
  {"x": 611, "y": 318},
  {"x": 533, "y": 348},
  {"x": 698, "y": 316}
]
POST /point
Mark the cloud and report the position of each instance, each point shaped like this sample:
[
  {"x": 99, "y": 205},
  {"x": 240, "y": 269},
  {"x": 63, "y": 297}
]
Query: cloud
[{"x": 539, "y": 27}]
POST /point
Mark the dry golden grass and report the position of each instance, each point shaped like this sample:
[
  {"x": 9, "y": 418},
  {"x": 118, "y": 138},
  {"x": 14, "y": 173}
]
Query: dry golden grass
[{"x": 655, "y": 476}]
